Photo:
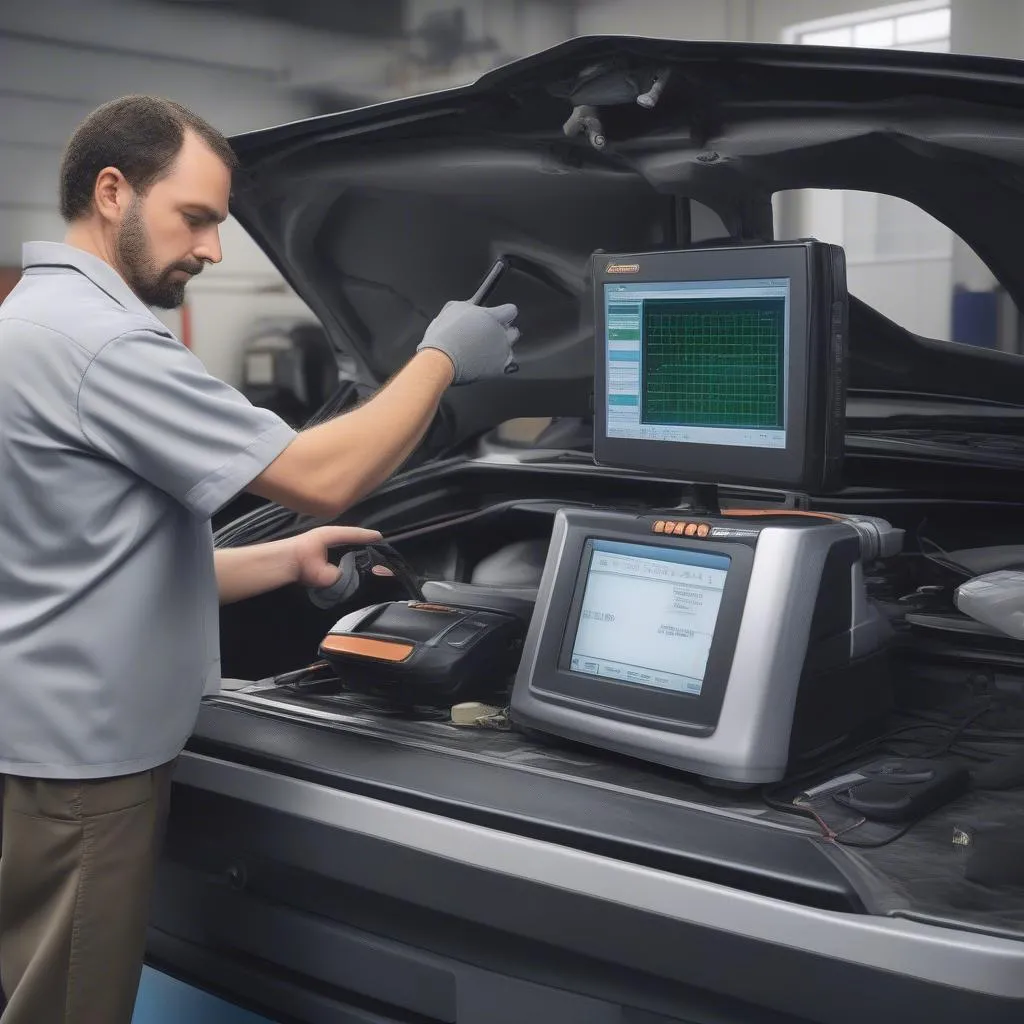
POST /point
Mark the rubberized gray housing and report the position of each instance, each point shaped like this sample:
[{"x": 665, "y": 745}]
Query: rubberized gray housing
[{"x": 750, "y": 743}]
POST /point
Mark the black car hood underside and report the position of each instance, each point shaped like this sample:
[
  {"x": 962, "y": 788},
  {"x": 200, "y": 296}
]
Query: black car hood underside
[{"x": 378, "y": 216}]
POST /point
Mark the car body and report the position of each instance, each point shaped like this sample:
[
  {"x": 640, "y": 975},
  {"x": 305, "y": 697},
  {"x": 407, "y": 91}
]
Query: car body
[{"x": 333, "y": 861}]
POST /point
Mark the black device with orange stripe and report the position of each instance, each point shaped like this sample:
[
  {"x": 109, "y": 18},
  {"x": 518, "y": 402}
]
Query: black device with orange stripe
[{"x": 425, "y": 654}]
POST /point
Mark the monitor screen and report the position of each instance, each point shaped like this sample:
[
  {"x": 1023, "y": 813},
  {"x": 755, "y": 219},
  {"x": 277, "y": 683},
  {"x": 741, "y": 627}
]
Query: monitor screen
[
  {"x": 648, "y": 615},
  {"x": 698, "y": 362},
  {"x": 723, "y": 365}
]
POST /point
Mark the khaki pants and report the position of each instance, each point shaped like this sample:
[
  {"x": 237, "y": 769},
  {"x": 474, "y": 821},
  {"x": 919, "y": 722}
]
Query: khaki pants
[{"x": 76, "y": 875}]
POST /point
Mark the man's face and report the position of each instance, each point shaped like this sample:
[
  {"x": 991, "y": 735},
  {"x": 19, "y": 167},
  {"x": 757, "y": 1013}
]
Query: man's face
[{"x": 167, "y": 236}]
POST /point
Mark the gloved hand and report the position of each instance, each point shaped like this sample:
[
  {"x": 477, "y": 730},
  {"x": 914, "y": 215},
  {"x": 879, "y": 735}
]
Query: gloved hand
[{"x": 477, "y": 339}]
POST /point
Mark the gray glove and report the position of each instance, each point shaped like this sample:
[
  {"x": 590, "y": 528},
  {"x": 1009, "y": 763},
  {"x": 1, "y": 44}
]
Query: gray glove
[{"x": 477, "y": 339}]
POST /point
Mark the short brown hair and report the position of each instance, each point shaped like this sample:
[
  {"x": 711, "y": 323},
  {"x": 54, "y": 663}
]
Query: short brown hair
[{"x": 139, "y": 135}]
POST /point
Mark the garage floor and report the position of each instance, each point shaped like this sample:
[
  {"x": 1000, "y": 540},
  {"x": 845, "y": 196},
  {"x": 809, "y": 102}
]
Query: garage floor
[{"x": 165, "y": 1000}]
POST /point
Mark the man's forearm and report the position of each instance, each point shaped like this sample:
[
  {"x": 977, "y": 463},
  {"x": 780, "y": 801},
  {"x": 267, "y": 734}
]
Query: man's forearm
[
  {"x": 329, "y": 467},
  {"x": 255, "y": 569},
  {"x": 360, "y": 450}
]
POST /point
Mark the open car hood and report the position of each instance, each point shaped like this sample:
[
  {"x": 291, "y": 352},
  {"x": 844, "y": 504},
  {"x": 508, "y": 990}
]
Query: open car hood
[{"x": 378, "y": 216}]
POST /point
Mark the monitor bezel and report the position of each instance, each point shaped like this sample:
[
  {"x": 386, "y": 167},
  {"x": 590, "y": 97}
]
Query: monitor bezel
[
  {"x": 650, "y": 706},
  {"x": 717, "y": 463}
]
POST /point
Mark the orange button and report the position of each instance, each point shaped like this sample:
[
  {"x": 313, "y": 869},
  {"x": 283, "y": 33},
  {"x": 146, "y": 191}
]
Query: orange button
[
  {"x": 691, "y": 529},
  {"x": 659, "y": 526},
  {"x": 679, "y": 527},
  {"x": 703, "y": 530}
]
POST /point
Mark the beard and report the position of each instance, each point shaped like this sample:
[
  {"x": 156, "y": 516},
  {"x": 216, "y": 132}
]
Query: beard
[{"x": 152, "y": 284}]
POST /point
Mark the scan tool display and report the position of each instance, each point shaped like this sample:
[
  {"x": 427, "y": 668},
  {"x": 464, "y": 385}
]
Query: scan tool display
[{"x": 648, "y": 615}]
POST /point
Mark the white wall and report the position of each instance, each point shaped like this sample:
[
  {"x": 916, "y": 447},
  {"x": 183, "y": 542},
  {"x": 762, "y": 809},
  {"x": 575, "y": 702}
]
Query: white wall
[
  {"x": 671, "y": 19},
  {"x": 993, "y": 28},
  {"x": 912, "y": 289},
  {"x": 912, "y": 293},
  {"x": 737, "y": 20},
  {"x": 20, "y": 224},
  {"x": 225, "y": 300}
]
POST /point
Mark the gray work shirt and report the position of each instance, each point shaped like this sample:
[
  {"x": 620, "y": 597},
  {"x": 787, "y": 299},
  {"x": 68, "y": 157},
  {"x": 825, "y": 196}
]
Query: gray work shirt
[{"x": 116, "y": 448}]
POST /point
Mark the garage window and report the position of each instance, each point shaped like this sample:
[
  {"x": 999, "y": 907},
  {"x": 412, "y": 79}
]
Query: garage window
[
  {"x": 906, "y": 264},
  {"x": 911, "y": 26},
  {"x": 900, "y": 260}
]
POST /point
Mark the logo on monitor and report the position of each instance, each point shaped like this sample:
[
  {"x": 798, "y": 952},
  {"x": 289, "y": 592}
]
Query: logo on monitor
[{"x": 622, "y": 268}]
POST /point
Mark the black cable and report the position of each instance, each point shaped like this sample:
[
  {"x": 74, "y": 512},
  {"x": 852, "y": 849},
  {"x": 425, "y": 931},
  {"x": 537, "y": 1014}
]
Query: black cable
[
  {"x": 315, "y": 672},
  {"x": 784, "y": 807},
  {"x": 264, "y": 522},
  {"x": 227, "y": 535},
  {"x": 959, "y": 729},
  {"x": 259, "y": 524},
  {"x": 385, "y": 555},
  {"x": 830, "y": 833},
  {"x": 480, "y": 513},
  {"x": 980, "y": 733},
  {"x": 871, "y": 844},
  {"x": 943, "y": 559},
  {"x": 845, "y": 756},
  {"x": 878, "y": 743},
  {"x": 971, "y": 754}
]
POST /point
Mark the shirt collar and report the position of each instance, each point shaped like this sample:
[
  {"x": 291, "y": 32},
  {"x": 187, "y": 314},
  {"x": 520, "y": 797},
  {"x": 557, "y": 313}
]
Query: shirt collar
[{"x": 57, "y": 255}]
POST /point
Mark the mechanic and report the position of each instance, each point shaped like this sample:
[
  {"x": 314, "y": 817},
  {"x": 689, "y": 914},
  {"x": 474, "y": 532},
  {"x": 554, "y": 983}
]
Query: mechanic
[{"x": 116, "y": 448}]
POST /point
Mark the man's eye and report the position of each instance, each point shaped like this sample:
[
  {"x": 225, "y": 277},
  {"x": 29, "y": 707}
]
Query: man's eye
[{"x": 192, "y": 220}]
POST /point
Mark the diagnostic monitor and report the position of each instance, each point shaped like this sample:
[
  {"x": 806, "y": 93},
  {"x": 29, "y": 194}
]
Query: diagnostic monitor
[
  {"x": 721, "y": 646},
  {"x": 723, "y": 365}
]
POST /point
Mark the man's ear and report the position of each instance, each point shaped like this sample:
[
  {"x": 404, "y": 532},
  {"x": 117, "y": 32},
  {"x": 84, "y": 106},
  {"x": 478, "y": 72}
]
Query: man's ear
[{"x": 111, "y": 195}]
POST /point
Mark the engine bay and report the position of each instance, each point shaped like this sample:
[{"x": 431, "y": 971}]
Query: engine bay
[
  {"x": 729, "y": 645},
  {"x": 503, "y": 545}
]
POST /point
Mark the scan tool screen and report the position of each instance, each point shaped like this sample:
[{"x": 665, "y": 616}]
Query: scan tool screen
[
  {"x": 648, "y": 615},
  {"x": 698, "y": 362}
]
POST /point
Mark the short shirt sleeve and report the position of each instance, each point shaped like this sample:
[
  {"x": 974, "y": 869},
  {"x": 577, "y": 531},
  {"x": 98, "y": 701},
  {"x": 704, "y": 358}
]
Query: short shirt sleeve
[{"x": 148, "y": 403}]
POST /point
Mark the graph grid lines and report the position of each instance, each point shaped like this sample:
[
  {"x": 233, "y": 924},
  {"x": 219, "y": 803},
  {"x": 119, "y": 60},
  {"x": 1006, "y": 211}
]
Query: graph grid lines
[{"x": 714, "y": 363}]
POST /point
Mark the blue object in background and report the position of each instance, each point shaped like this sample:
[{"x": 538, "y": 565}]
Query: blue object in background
[
  {"x": 165, "y": 1000},
  {"x": 975, "y": 318}
]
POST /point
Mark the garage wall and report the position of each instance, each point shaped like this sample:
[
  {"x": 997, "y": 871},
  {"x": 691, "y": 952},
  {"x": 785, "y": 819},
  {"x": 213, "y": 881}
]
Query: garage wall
[
  {"x": 735, "y": 20},
  {"x": 681, "y": 19},
  {"x": 61, "y": 58}
]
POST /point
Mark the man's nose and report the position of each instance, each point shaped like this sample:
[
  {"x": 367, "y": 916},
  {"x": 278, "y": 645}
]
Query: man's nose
[{"x": 209, "y": 250}]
